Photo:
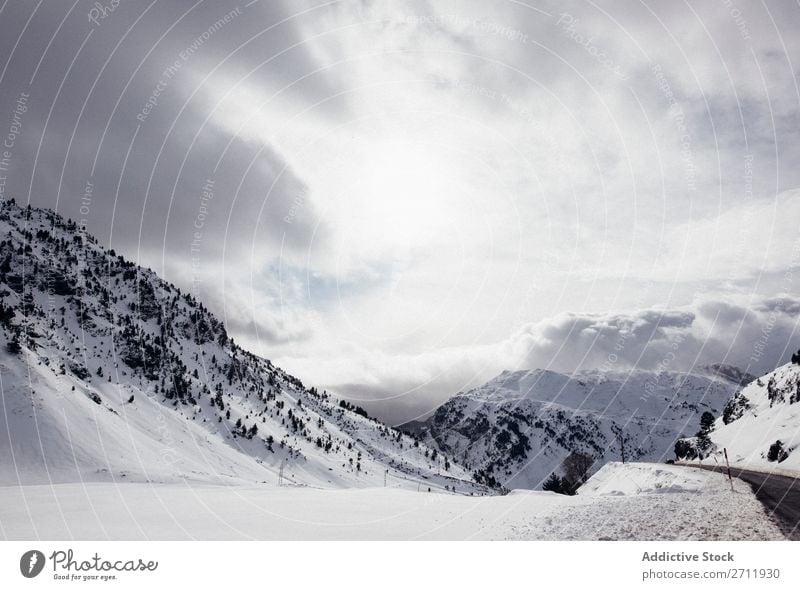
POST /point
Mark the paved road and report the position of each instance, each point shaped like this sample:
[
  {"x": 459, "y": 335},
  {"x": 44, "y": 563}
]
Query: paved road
[{"x": 779, "y": 494}]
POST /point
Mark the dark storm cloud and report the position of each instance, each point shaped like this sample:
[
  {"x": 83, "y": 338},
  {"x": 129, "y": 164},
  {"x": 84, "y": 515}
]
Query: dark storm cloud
[
  {"x": 118, "y": 132},
  {"x": 148, "y": 173},
  {"x": 782, "y": 305}
]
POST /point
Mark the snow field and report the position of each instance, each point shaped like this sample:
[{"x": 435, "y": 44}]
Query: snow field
[{"x": 699, "y": 505}]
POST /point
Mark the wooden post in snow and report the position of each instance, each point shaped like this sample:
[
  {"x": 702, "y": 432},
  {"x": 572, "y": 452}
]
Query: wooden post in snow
[{"x": 728, "y": 466}]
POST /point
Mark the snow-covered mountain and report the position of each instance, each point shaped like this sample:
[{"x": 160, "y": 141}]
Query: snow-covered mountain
[
  {"x": 759, "y": 425},
  {"x": 108, "y": 372},
  {"x": 517, "y": 428},
  {"x": 729, "y": 373}
]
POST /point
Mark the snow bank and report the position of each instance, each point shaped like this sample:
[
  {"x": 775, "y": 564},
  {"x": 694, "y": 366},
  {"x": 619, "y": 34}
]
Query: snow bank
[{"x": 629, "y": 479}]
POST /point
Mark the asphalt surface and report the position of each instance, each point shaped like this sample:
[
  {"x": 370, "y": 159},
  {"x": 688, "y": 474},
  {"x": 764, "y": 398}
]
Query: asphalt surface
[{"x": 779, "y": 494}]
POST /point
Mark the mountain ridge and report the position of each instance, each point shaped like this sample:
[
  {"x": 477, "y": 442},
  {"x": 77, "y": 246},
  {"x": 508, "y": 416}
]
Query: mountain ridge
[
  {"x": 109, "y": 372},
  {"x": 516, "y": 429}
]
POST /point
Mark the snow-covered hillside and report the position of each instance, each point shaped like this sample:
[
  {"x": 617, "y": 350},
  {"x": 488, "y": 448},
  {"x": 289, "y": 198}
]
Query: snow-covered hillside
[
  {"x": 760, "y": 425},
  {"x": 517, "y": 428},
  {"x": 108, "y": 372}
]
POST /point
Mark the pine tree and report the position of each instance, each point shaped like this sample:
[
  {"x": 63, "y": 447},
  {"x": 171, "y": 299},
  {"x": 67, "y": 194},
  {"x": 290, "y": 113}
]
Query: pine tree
[
  {"x": 13, "y": 346},
  {"x": 576, "y": 468},
  {"x": 553, "y": 484},
  {"x": 707, "y": 421},
  {"x": 706, "y": 425}
]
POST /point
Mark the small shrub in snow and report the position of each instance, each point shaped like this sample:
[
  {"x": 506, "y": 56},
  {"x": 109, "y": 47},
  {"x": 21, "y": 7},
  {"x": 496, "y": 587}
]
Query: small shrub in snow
[
  {"x": 685, "y": 448},
  {"x": 777, "y": 452},
  {"x": 735, "y": 408},
  {"x": 774, "y": 393}
]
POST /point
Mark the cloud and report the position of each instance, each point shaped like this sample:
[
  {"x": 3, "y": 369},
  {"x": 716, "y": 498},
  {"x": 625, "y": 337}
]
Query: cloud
[
  {"x": 755, "y": 337},
  {"x": 707, "y": 332}
]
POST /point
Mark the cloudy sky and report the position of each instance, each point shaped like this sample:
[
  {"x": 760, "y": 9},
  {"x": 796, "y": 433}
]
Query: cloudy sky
[{"x": 399, "y": 200}]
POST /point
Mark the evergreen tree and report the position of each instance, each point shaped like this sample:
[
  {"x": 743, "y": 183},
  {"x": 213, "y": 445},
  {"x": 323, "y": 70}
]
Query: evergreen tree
[
  {"x": 576, "y": 469},
  {"x": 704, "y": 443},
  {"x": 13, "y": 346},
  {"x": 707, "y": 421},
  {"x": 553, "y": 484}
]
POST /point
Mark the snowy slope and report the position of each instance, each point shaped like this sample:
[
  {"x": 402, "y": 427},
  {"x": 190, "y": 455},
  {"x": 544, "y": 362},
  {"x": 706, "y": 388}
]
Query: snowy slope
[
  {"x": 700, "y": 510},
  {"x": 756, "y": 418},
  {"x": 109, "y": 373},
  {"x": 517, "y": 428}
]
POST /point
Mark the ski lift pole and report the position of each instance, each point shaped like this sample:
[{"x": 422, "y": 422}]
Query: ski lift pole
[
  {"x": 280, "y": 472},
  {"x": 728, "y": 466}
]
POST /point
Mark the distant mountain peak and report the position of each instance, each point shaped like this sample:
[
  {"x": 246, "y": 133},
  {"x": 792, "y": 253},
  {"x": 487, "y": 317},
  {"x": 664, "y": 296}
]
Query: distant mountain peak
[
  {"x": 730, "y": 373},
  {"x": 518, "y": 427}
]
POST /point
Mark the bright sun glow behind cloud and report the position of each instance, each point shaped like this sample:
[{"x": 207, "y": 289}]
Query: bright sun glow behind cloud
[
  {"x": 393, "y": 197},
  {"x": 403, "y": 195}
]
